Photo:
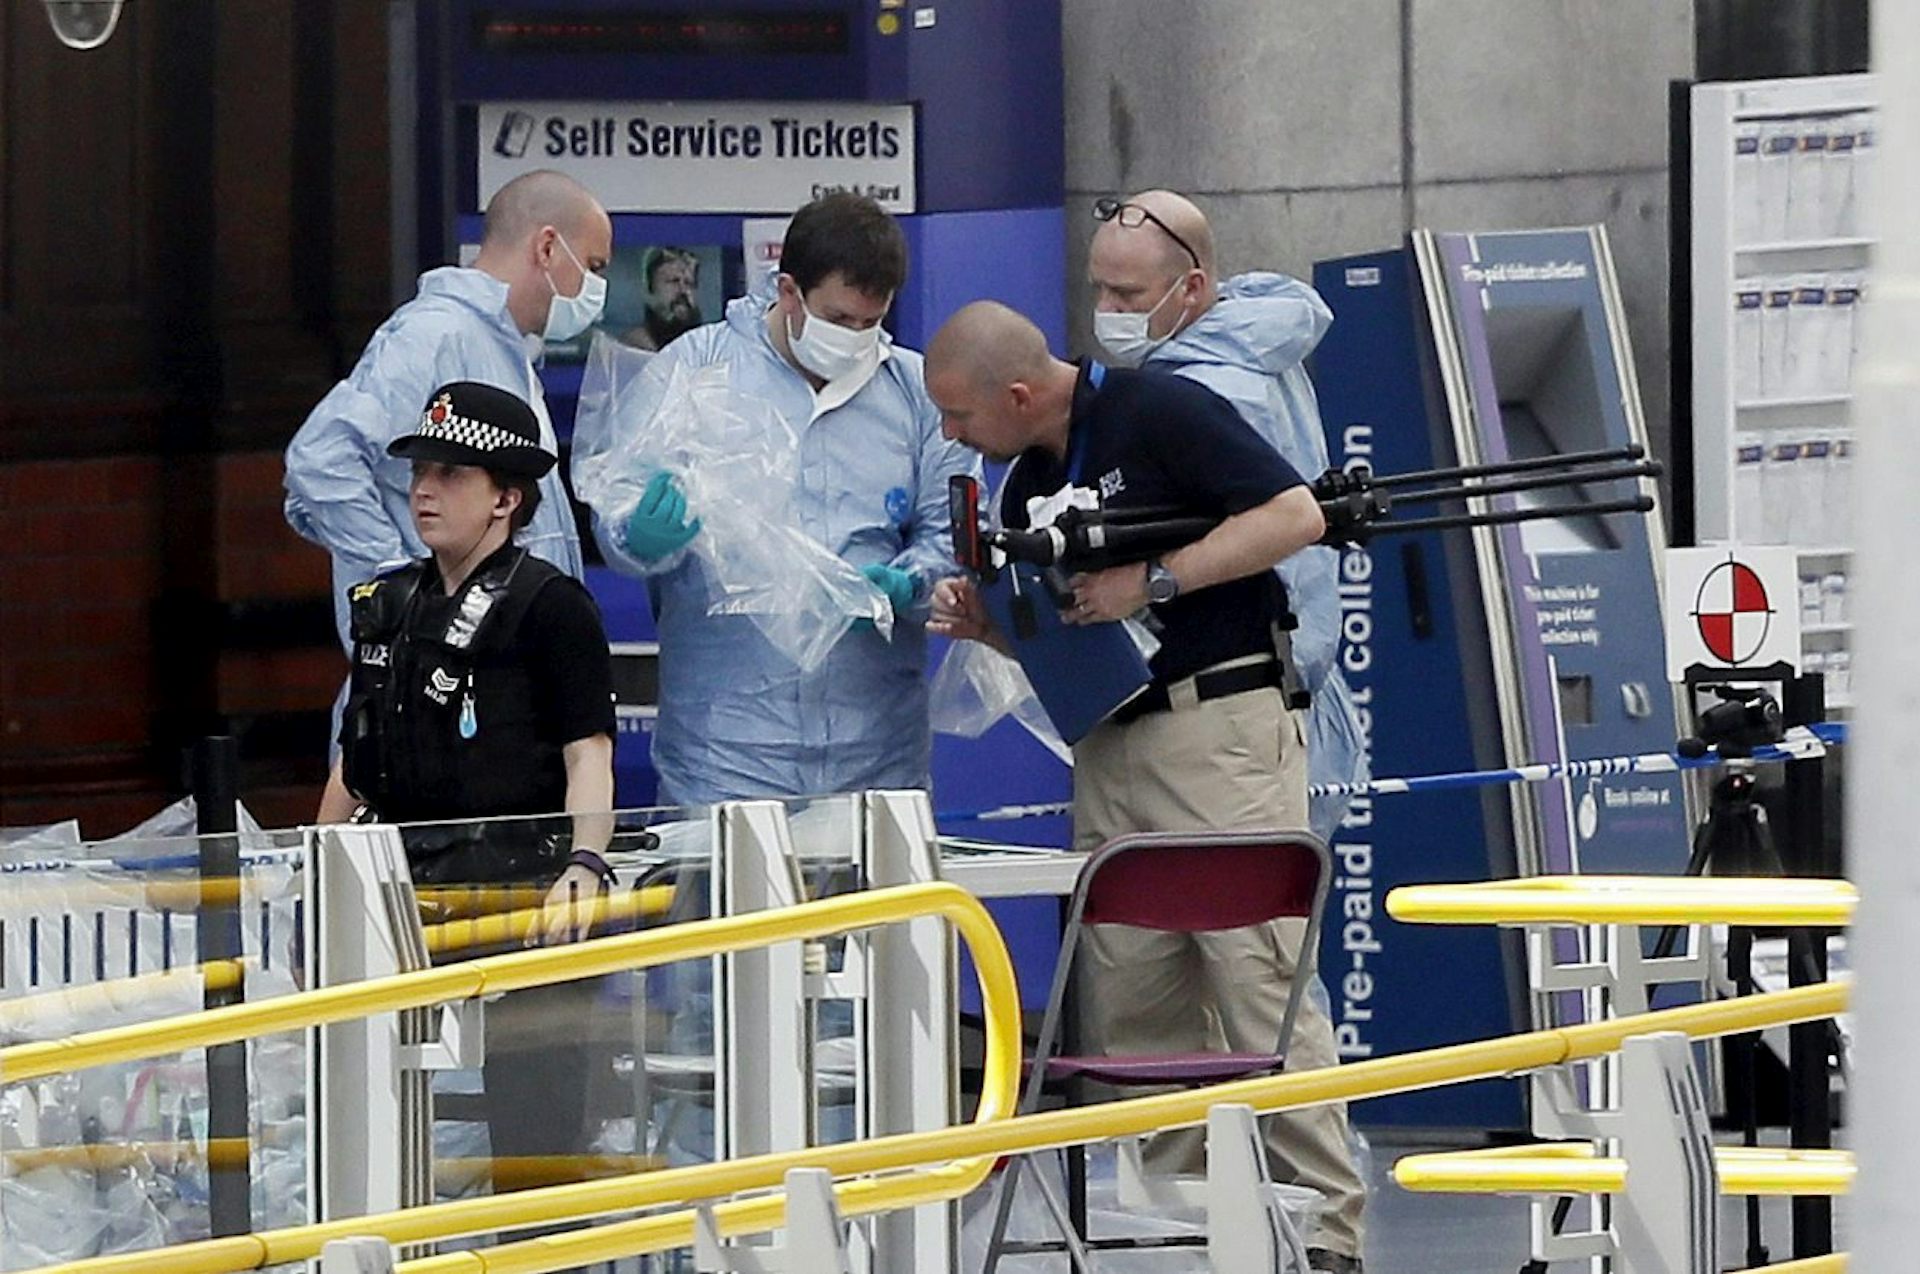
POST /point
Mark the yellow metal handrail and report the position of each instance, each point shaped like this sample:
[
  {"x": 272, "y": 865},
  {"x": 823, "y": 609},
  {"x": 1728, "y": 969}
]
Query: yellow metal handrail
[
  {"x": 490, "y": 975},
  {"x": 1372, "y": 1078},
  {"x": 513, "y": 926},
  {"x": 977, "y": 1142},
  {"x": 1643, "y": 900},
  {"x": 1578, "y": 1168},
  {"x": 1835, "y": 1264},
  {"x": 451, "y": 1175},
  {"x": 183, "y": 889},
  {"x": 485, "y": 930},
  {"x": 999, "y": 1090}
]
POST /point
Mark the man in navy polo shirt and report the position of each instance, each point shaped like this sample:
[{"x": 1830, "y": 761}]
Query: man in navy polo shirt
[{"x": 1213, "y": 742}]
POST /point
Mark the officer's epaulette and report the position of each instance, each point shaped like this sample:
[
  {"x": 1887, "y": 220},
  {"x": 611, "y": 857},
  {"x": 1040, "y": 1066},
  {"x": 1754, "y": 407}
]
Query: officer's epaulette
[
  {"x": 370, "y": 589},
  {"x": 378, "y": 604}
]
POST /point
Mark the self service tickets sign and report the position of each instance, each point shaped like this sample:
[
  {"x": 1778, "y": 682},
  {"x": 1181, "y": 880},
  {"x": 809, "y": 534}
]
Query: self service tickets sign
[{"x": 693, "y": 157}]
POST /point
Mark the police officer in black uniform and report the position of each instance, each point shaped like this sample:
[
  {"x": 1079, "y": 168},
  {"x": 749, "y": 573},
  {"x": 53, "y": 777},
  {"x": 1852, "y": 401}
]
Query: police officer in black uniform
[{"x": 481, "y": 689}]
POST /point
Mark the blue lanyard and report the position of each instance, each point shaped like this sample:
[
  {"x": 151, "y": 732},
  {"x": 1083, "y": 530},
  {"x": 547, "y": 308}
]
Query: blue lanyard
[{"x": 1096, "y": 375}]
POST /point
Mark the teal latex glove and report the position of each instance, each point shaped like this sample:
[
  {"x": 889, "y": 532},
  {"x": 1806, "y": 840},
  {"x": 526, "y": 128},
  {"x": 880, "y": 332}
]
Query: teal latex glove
[
  {"x": 659, "y": 523},
  {"x": 895, "y": 583}
]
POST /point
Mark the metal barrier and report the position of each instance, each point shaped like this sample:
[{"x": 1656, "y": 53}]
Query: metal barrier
[
  {"x": 967, "y": 1151},
  {"x": 552, "y": 1204},
  {"x": 1567, "y": 1167},
  {"x": 1375, "y": 1077},
  {"x": 788, "y": 1051},
  {"x": 483, "y": 929},
  {"x": 535, "y": 968},
  {"x": 1614, "y": 975}
]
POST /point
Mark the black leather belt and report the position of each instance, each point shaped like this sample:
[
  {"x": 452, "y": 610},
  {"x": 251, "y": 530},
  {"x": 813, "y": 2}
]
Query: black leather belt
[{"x": 1206, "y": 685}]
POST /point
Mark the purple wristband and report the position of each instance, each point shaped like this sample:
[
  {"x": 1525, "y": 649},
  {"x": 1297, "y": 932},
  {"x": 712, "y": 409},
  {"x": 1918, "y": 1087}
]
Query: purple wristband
[{"x": 597, "y": 865}]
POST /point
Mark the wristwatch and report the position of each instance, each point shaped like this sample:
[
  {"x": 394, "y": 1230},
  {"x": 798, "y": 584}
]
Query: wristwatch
[
  {"x": 593, "y": 862},
  {"x": 1161, "y": 585}
]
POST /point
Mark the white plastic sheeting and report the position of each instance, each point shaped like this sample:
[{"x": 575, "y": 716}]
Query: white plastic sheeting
[
  {"x": 113, "y": 1158},
  {"x": 737, "y": 461}
]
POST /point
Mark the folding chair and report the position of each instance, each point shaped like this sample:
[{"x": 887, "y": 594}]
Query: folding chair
[{"x": 1177, "y": 883}]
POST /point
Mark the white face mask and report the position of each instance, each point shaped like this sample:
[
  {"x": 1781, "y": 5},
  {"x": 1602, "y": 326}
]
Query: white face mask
[
  {"x": 568, "y": 316},
  {"x": 1124, "y": 336},
  {"x": 829, "y": 350}
]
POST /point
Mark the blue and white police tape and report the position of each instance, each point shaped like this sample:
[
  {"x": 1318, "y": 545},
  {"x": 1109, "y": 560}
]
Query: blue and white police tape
[
  {"x": 1803, "y": 743},
  {"x": 165, "y": 862}
]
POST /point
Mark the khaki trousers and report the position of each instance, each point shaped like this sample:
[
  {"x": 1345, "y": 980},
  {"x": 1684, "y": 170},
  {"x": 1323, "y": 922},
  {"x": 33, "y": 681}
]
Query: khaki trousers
[{"x": 1234, "y": 762}]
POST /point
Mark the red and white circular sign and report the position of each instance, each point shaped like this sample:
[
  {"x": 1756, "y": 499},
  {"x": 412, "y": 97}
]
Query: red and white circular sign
[{"x": 1733, "y": 613}]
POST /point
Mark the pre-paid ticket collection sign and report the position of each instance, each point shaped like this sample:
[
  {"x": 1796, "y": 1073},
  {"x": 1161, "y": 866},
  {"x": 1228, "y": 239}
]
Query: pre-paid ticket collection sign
[
  {"x": 1732, "y": 607},
  {"x": 694, "y": 157}
]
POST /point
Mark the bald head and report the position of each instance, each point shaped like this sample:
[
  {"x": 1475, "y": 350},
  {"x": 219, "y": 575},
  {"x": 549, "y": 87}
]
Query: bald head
[
  {"x": 989, "y": 344},
  {"x": 998, "y": 387},
  {"x": 544, "y": 233},
  {"x": 1179, "y": 221},
  {"x": 1160, "y": 265},
  {"x": 536, "y": 199}
]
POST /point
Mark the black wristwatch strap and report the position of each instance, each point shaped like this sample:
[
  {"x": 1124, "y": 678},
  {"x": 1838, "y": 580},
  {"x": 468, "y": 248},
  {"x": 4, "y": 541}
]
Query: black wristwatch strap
[{"x": 597, "y": 865}]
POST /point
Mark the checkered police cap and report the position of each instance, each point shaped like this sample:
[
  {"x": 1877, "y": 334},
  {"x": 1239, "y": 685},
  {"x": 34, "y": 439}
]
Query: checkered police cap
[{"x": 469, "y": 423}]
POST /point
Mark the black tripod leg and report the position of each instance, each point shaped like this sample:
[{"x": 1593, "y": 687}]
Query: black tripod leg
[
  {"x": 1697, "y": 859},
  {"x": 1746, "y": 1053},
  {"x": 1810, "y": 1104},
  {"x": 1805, "y": 839}
]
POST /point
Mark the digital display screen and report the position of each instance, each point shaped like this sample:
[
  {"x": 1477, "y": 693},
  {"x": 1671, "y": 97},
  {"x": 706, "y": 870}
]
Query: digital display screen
[
  {"x": 636, "y": 675},
  {"x": 681, "y": 32}
]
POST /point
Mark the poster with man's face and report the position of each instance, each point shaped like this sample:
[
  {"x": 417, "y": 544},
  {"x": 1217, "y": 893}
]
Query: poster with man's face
[
  {"x": 654, "y": 293},
  {"x": 669, "y": 285}
]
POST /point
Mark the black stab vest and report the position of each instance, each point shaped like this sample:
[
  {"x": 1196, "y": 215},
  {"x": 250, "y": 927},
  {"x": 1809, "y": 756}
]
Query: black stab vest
[{"x": 440, "y": 721}]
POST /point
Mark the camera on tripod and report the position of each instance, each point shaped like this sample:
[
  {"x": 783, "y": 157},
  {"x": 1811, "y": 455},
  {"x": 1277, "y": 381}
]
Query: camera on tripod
[{"x": 1747, "y": 717}]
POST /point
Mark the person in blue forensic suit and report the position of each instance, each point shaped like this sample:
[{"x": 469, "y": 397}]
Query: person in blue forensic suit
[
  {"x": 1157, "y": 305},
  {"x": 546, "y": 242},
  {"x": 737, "y": 718}
]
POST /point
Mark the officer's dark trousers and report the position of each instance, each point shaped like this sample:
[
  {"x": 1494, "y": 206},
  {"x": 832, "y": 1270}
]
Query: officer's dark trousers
[
  {"x": 538, "y": 1070},
  {"x": 539, "y": 1042}
]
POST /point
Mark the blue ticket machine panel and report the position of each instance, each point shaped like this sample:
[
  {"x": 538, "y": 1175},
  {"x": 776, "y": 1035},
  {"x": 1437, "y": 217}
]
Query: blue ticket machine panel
[
  {"x": 1488, "y": 648},
  {"x": 1537, "y": 344},
  {"x": 1413, "y": 650},
  {"x": 702, "y": 127}
]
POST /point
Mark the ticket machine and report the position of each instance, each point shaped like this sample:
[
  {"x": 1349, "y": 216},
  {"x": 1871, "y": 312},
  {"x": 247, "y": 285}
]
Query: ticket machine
[
  {"x": 701, "y": 127},
  {"x": 1493, "y": 647}
]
